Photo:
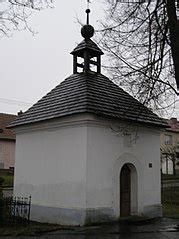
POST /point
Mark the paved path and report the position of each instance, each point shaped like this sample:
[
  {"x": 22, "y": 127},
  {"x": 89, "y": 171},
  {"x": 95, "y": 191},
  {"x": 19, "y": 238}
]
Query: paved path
[
  {"x": 137, "y": 236},
  {"x": 160, "y": 229}
]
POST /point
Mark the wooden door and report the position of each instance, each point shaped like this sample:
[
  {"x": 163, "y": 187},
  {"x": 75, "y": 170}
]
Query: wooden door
[{"x": 125, "y": 191}]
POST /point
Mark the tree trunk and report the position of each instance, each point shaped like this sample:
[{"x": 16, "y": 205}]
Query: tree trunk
[
  {"x": 174, "y": 161},
  {"x": 173, "y": 25}
]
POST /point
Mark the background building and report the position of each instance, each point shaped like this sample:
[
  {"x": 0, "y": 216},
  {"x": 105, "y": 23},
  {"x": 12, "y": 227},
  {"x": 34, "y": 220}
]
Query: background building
[
  {"x": 7, "y": 142},
  {"x": 170, "y": 147}
]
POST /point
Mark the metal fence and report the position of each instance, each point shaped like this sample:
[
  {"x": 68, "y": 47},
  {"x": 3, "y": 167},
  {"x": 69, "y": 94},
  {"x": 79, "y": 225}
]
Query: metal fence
[{"x": 14, "y": 210}]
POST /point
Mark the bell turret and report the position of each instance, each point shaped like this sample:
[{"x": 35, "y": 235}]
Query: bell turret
[{"x": 87, "y": 50}]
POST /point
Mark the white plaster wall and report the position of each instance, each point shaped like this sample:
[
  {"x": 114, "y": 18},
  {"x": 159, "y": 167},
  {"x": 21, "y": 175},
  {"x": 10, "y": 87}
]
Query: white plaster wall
[
  {"x": 51, "y": 166},
  {"x": 105, "y": 157},
  {"x": 100, "y": 162},
  {"x": 76, "y": 164},
  {"x": 149, "y": 152}
]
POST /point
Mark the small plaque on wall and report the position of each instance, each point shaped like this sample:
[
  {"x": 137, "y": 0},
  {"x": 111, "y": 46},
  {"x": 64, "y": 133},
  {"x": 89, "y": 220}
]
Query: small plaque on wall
[{"x": 150, "y": 165}]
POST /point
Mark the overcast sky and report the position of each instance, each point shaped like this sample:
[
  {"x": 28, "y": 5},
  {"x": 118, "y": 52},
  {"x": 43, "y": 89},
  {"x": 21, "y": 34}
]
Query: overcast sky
[{"x": 32, "y": 65}]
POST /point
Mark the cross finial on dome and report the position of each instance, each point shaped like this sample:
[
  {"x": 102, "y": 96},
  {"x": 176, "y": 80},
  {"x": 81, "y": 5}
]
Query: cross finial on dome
[
  {"x": 87, "y": 31},
  {"x": 88, "y": 12},
  {"x": 88, "y": 3}
]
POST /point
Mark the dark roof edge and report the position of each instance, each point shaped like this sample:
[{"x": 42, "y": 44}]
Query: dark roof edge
[
  {"x": 7, "y": 139},
  {"x": 98, "y": 115}
]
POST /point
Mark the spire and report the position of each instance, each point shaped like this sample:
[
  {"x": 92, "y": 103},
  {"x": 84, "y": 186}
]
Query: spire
[
  {"x": 87, "y": 50},
  {"x": 87, "y": 31},
  {"x": 87, "y": 19}
]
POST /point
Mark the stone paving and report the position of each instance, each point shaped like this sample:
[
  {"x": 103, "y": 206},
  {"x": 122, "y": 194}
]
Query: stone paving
[
  {"x": 163, "y": 228},
  {"x": 158, "y": 229}
]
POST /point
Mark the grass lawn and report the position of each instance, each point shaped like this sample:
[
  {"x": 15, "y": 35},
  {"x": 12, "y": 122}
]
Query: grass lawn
[
  {"x": 170, "y": 201},
  {"x": 171, "y": 211},
  {"x": 8, "y": 178},
  {"x": 170, "y": 177}
]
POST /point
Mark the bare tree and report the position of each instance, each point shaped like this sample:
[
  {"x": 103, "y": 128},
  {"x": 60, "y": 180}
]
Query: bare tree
[
  {"x": 141, "y": 39},
  {"x": 168, "y": 153},
  {"x": 14, "y": 14}
]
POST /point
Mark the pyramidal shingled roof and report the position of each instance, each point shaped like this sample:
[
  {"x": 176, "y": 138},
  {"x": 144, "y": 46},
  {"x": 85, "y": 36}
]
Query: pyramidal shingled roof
[
  {"x": 88, "y": 93},
  {"x": 87, "y": 44}
]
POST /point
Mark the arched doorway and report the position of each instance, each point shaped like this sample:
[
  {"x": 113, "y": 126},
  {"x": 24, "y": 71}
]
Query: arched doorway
[{"x": 128, "y": 190}]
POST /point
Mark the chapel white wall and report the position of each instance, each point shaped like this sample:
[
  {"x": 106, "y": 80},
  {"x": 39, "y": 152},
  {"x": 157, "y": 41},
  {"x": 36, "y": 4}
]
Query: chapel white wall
[
  {"x": 107, "y": 154},
  {"x": 51, "y": 167},
  {"x": 77, "y": 166}
]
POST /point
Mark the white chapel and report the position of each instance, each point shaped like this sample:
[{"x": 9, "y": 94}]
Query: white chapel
[{"x": 87, "y": 151}]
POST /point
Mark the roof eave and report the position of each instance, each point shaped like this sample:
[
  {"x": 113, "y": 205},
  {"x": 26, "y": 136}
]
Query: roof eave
[{"x": 138, "y": 121}]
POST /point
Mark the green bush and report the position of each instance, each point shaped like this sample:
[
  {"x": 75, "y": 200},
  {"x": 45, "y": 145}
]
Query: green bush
[
  {"x": 1, "y": 183},
  {"x": 8, "y": 180},
  {"x": 170, "y": 201}
]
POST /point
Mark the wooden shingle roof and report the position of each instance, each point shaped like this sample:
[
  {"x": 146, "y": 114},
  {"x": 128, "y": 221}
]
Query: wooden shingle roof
[
  {"x": 88, "y": 93},
  {"x": 89, "y": 45}
]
